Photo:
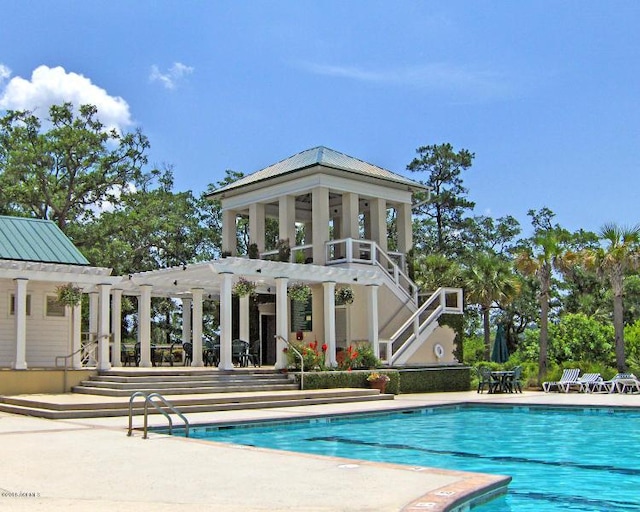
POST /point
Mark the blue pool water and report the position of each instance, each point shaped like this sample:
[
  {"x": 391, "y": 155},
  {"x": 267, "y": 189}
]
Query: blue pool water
[{"x": 560, "y": 460}]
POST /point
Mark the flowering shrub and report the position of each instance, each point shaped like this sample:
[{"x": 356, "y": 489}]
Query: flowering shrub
[
  {"x": 314, "y": 358},
  {"x": 243, "y": 287},
  {"x": 356, "y": 357}
]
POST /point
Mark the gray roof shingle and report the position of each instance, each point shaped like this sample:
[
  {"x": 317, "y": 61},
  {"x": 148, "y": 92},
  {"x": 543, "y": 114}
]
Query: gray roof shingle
[
  {"x": 37, "y": 240},
  {"x": 319, "y": 156}
]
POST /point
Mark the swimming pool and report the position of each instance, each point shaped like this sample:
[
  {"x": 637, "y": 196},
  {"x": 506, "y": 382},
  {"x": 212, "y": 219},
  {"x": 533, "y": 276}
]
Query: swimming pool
[{"x": 583, "y": 459}]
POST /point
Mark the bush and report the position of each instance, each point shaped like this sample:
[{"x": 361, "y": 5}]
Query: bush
[{"x": 349, "y": 379}]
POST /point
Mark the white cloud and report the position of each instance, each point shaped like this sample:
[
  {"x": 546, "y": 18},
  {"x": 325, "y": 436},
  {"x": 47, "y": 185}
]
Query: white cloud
[
  {"x": 172, "y": 76},
  {"x": 5, "y": 73},
  {"x": 53, "y": 86},
  {"x": 434, "y": 76}
]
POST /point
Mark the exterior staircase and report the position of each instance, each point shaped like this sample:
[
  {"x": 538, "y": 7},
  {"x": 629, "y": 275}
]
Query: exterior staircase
[{"x": 189, "y": 390}]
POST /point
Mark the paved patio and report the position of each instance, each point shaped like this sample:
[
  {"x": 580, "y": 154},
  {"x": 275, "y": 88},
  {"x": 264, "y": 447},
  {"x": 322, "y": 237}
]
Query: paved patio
[{"x": 90, "y": 464}]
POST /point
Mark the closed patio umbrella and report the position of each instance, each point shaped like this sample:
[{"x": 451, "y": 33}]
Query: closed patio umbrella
[{"x": 500, "y": 352}]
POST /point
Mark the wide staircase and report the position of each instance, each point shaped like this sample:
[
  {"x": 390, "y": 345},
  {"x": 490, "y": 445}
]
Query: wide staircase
[{"x": 189, "y": 390}]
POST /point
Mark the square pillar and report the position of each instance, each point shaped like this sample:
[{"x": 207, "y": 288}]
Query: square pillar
[
  {"x": 144, "y": 325},
  {"x": 372, "y": 293},
  {"x": 244, "y": 318},
  {"x": 329, "y": 293},
  {"x": 116, "y": 327},
  {"x": 20, "y": 317},
  {"x": 186, "y": 320},
  {"x": 196, "y": 328},
  {"x": 350, "y": 216},
  {"x": 229, "y": 236},
  {"x": 94, "y": 315},
  {"x": 256, "y": 225},
  {"x": 404, "y": 227},
  {"x": 379, "y": 222},
  {"x": 226, "y": 321},
  {"x": 287, "y": 219},
  {"x": 320, "y": 219},
  {"x": 282, "y": 321},
  {"x": 76, "y": 336}
]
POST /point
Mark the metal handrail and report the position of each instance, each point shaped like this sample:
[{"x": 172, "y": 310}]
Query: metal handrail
[
  {"x": 148, "y": 399},
  {"x": 297, "y": 352}
]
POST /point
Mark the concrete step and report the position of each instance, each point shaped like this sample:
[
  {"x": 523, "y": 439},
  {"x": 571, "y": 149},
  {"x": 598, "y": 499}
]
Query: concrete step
[
  {"x": 209, "y": 377},
  {"x": 100, "y": 408},
  {"x": 186, "y": 382},
  {"x": 178, "y": 389}
]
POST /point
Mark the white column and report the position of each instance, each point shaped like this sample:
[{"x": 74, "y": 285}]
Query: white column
[
  {"x": 372, "y": 291},
  {"x": 116, "y": 327},
  {"x": 196, "y": 328},
  {"x": 282, "y": 321},
  {"x": 104, "y": 323},
  {"x": 20, "y": 317},
  {"x": 94, "y": 313},
  {"x": 229, "y": 240},
  {"x": 76, "y": 336},
  {"x": 379, "y": 222},
  {"x": 320, "y": 219},
  {"x": 329, "y": 292},
  {"x": 405, "y": 228},
  {"x": 256, "y": 225},
  {"x": 186, "y": 320},
  {"x": 287, "y": 219},
  {"x": 244, "y": 318},
  {"x": 226, "y": 321},
  {"x": 144, "y": 325}
]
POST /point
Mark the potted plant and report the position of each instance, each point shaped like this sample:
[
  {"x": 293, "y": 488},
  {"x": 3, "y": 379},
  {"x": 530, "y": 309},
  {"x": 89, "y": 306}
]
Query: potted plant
[
  {"x": 243, "y": 287},
  {"x": 299, "y": 292},
  {"x": 378, "y": 381},
  {"x": 253, "y": 251},
  {"x": 344, "y": 295},
  {"x": 284, "y": 250}
]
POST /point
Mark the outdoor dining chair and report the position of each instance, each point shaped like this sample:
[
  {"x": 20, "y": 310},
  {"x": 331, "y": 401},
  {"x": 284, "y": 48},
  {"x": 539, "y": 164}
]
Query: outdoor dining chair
[{"x": 486, "y": 379}]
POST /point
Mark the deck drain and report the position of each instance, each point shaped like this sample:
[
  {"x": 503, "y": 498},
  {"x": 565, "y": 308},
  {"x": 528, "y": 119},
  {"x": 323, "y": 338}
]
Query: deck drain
[{"x": 349, "y": 466}]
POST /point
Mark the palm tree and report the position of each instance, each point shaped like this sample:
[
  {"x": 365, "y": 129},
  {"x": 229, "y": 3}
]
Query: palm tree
[
  {"x": 487, "y": 281},
  {"x": 612, "y": 264},
  {"x": 540, "y": 261}
]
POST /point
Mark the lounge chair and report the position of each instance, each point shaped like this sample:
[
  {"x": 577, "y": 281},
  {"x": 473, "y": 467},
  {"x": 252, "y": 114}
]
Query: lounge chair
[
  {"x": 583, "y": 384},
  {"x": 629, "y": 384},
  {"x": 568, "y": 375},
  {"x": 610, "y": 386}
]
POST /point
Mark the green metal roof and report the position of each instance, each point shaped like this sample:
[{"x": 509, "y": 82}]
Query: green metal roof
[
  {"x": 320, "y": 156},
  {"x": 38, "y": 240}
]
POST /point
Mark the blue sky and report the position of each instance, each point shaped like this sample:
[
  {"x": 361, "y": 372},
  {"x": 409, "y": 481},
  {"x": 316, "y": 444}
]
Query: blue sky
[{"x": 545, "y": 93}]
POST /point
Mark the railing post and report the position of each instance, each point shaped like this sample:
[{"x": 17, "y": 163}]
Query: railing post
[
  {"x": 374, "y": 256},
  {"x": 349, "y": 251}
]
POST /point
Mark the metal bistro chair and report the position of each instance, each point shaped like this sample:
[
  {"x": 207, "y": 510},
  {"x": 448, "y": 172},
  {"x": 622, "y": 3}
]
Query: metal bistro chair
[
  {"x": 188, "y": 353},
  {"x": 240, "y": 353},
  {"x": 486, "y": 379}
]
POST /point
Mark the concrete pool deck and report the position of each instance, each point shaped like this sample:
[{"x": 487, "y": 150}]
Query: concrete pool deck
[{"x": 91, "y": 464}]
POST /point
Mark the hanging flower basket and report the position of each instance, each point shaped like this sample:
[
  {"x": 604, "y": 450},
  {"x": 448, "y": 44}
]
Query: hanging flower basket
[
  {"x": 299, "y": 292},
  {"x": 344, "y": 295},
  {"x": 243, "y": 287},
  {"x": 69, "y": 295}
]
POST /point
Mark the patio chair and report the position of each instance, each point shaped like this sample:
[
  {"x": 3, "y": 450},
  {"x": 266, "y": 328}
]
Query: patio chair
[
  {"x": 514, "y": 382},
  {"x": 486, "y": 379},
  {"x": 188, "y": 353},
  {"x": 609, "y": 386},
  {"x": 583, "y": 384},
  {"x": 568, "y": 375}
]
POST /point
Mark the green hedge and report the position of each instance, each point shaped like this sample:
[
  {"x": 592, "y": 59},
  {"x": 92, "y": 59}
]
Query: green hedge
[
  {"x": 352, "y": 379},
  {"x": 409, "y": 380}
]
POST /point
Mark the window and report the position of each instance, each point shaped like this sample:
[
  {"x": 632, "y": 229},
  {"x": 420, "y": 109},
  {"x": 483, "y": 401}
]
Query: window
[
  {"x": 53, "y": 307},
  {"x": 12, "y": 307}
]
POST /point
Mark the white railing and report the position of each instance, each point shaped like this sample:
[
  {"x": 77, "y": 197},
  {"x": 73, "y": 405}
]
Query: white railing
[
  {"x": 443, "y": 300},
  {"x": 350, "y": 250}
]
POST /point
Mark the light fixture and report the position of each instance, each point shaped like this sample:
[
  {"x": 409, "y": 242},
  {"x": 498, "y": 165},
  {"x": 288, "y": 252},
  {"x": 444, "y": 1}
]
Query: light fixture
[{"x": 175, "y": 283}]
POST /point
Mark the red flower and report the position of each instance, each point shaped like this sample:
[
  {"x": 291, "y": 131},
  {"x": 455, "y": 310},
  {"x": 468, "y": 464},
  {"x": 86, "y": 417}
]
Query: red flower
[
  {"x": 285, "y": 350},
  {"x": 324, "y": 347}
]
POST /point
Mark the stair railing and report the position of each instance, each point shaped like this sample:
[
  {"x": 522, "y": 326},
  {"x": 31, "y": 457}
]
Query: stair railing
[
  {"x": 433, "y": 307},
  {"x": 88, "y": 353},
  {"x": 148, "y": 399},
  {"x": 298, "y": 354}
]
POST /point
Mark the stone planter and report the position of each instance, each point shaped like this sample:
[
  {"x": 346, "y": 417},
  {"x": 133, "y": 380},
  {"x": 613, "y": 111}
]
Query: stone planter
[{"x": 379, "y": 384}]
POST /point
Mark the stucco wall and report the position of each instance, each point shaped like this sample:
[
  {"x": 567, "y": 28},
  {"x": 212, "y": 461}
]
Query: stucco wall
[{"x": 16, "y": 382}]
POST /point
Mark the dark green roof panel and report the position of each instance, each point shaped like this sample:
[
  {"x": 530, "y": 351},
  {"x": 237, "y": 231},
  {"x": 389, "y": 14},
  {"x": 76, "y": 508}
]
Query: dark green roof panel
[{"x": 37, "y": 240}]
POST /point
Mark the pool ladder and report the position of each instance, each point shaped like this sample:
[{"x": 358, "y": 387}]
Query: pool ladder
[{"x": 148, "y": 399}]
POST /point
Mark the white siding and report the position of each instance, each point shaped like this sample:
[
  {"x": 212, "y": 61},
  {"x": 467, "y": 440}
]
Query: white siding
[{"x": 47, "y": 337}]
